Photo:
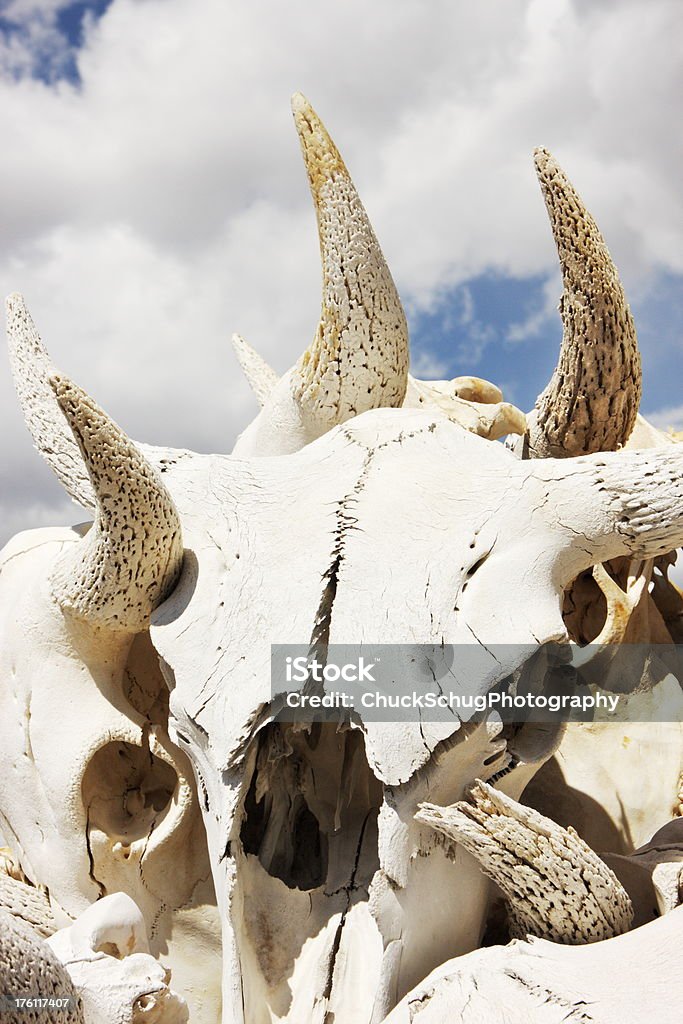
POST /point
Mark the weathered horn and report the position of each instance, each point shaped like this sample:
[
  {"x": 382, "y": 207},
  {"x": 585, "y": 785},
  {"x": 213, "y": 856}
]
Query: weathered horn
[
  {"x": 619, "y": 503},
  {"x": 556, "y": 886},
  {"x": 358, "y": 359},
  {"x": 130, "y": 559},
  {"x": 32, "y": 368},
  {"x": 591, "y": 402},
  {"x": 261, "y": 377}
]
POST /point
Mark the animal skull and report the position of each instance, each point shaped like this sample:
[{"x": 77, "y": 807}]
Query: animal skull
[
  {"x": 106, "y": 954},
  {"x": 355, "y": 509}
]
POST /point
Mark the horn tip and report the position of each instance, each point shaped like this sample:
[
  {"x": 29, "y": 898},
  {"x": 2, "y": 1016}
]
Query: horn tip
[
  {"x": 16, "y": 309},
  {"x": 544, "y": 160},
  {"x": 299, "y": 103},
  {"x": 305, "y": 118},
  {"x": 63, "y": 389},
  {"x": 14, "y": 300},
  {"x": 321, "y": 157}
]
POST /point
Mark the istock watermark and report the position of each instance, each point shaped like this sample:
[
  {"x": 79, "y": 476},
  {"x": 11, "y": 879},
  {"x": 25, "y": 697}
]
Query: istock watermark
[
  {"x": 303, "y": 668},
  {"x": 433, "y": 683}
]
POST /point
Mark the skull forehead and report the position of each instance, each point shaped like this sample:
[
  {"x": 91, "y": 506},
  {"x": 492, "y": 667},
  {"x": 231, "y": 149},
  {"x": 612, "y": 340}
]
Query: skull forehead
[{"x": 400, "y": 513}]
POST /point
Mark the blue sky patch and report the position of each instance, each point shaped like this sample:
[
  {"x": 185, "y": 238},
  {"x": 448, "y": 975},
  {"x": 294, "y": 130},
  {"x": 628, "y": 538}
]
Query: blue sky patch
[
  {"x": 70, "y": 19},
  {"x": 507, "y": 331},
  {"x": 47, "y": 42}
]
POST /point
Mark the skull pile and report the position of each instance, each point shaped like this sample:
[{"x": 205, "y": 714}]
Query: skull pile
[{"x": 296, "y": 872}]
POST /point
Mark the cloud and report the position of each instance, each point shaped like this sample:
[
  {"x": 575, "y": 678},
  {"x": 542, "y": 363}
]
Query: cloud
[
  {"x": 534, "y": 320},
  {"x": 668, "y": 419},
  {"x": 32, "y": 41},
  {"x": 157, "y": 203}
]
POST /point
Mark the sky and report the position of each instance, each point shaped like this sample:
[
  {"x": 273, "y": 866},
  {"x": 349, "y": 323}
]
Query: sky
[{"x": 155, "y": 199}]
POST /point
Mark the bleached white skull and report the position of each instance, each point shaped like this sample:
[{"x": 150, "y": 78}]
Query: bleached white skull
[
  {"x": 100, "y": 799},
  {"x": 106, "y": 954},
  {"x": 356, "y": 508}
]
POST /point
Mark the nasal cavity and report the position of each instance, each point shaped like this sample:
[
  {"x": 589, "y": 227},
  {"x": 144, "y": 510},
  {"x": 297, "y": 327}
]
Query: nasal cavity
[{"x": 311, "y": 807}]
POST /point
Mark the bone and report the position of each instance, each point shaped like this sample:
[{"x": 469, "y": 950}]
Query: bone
[
  {"x": 556, "y": 886},
  {"x": 645, "y": 435},
  {"x": 32, "y": 369},
  {"x": 611, "y": 604},
  {"x": 623, "y": 605},
  {"x": 489, "y": 419},
  {"x": 591, "y": 401},
  {"x": 107, "y": 957},
  {"x": 261, "y": 377},
  {"x": 377, "y": 522},
  {"x": 628, "y": 978},
  {"x": 29, "y": 967},
  {"x": 476, "y": 389},
  {"x": 358, "y": 359},
  {"x": 663, "y": 857},
  {"x": 10, "y": 866},
  {"x": 625, "y": 517},
  {"x": 131, "y": 558},
  {"x": 26, "y": 902},
  {"x": 113, "y": 805},
  {"x": 668, "y": 598}
]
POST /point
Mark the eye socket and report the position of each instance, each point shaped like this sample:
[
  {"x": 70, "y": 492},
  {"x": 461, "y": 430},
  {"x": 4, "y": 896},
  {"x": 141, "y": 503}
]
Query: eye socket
[{"x": 126, "y": 789}]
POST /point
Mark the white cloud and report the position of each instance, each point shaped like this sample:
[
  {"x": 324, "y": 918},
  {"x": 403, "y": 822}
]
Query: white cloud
[
  {"x": 427, "y": 366},
  {"x": 536, "y": 319},
  {"x": 667, "y": 419},
  {"x": 35, "y": 43},
  {"x": 161, "y": 203}
]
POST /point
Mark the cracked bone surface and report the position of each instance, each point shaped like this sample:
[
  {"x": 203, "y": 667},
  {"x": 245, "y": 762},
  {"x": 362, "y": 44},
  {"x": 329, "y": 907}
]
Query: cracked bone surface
[
  {"x": 557, "y": 887},
  {"x": 114, "y": 799},
  {"x": 255, "y": 548},
  {"x": 136, "y": 715},
  {"x": 632, "y": 977}
]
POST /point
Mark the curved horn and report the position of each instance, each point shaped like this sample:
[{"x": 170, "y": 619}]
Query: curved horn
[
  {"x": 557, "y": 887},
  {"x": 31, "y": 370},
  {"x": 358, "y": 359},
  {"x": 261, "y": 377},
  {"x": 130, "y": 559},
  {"x": 591, "y": 402}
]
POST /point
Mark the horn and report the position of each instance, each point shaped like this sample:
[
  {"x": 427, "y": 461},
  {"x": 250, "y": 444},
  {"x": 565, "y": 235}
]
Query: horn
[
  {"x": 261, "y": 377},
  {"x": 556, "y": 886},
  {"x": 591, "y": 401},
  {"x": 130, "y": 559},
  {"x": 358, "y": 359},
  {"x": 31, "y": 370},
  {"x": 619, "y": 503}
]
